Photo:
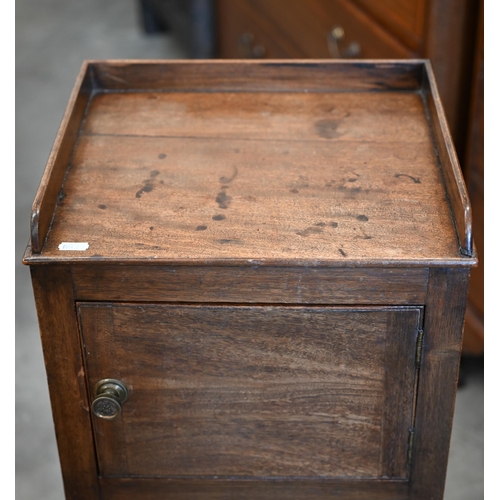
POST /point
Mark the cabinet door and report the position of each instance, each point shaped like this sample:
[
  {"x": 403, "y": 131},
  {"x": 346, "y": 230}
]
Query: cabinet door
[{"x": 254, "y": 392}]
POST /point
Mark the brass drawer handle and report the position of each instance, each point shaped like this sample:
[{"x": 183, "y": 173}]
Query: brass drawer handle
[
  {"x": 334, "y": 37},
  {"x": 109, "y": 395}
]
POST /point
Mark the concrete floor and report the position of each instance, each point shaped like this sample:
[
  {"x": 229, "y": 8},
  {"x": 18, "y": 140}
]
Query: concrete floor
[{"x": 53, "y": 37}]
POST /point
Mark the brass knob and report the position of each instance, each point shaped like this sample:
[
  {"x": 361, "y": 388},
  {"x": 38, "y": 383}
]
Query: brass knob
[
  {"x": 109, "y": 395},
  {"x": 334, "y": 38}
]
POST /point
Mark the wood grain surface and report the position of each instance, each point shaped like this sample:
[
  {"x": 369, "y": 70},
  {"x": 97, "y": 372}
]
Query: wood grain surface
[
  {"x": 457, "y": 190},
  {"x": 404, "y": 18},
  {"x": 66, "y": 380},
  {"x": 221, "y": 489},
  {"x": 60, "y": 157},
  {"x": 254, "y": 391},
  {"x": 257, "y": 76},
  {"x": 444, "y": 320},
  {"x": 251, "y": 284},
  {"x": 266, "y": 176}
]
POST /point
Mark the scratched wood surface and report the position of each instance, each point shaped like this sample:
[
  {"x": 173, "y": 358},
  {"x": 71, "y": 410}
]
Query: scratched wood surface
[
  {"x": 242, "y": 391},
  {"x": 192, "y": 176}
]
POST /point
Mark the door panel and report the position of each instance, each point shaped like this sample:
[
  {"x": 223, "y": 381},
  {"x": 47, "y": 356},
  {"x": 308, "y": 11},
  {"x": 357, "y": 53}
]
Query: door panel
[{"x": 240, "y": 391}]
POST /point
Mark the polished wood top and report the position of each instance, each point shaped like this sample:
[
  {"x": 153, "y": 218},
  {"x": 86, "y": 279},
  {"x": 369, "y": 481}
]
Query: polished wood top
[{"x": 286, "y": 177}]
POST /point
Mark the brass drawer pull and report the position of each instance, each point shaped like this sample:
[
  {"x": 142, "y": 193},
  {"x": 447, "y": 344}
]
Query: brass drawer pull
[
  {"x": 334, "y": 37},
  {"x": 109, "y": 395}
]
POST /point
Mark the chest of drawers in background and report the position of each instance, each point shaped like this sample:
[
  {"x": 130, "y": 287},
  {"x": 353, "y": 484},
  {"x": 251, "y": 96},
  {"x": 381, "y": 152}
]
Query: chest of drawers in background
[{"x": 251, "y": 280}]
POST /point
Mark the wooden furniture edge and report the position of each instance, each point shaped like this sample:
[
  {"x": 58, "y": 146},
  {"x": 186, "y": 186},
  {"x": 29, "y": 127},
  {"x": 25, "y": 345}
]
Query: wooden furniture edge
[
  {"x": 259, "y": 75},
  {"x": 57, "y": 164},
  {"x": 441, "y": 352},
  {"x": 64, "y": 365},
  {"x": 256, "y": 285},
  {"x": 91, "y": 78},
  {"x": 246, "y": 489},
  {"x": 35, "y": 259},
  {"x": 452, "y": 173}
]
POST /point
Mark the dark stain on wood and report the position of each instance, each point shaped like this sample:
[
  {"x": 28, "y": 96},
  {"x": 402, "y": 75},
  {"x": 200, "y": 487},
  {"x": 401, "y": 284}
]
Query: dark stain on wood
[
  {"x": 294, "y": 190},
  {"x": 147, "y": 188},
  {"x": 228, "y": 180},
  {"x": 226, "y": 241},
  {"x": 102, "y": 207},
  {"x": 219, "y": 217},
  {"x": 321, "y": 224},
  {"x": 327, "y": 128},
  {"x": 416, "y": 180},
  {"x": 342, "y": 252},
  {"x": 151, "y": 228},
  {"x": 334, "y": 224},
  {"x": 201, "y": 228},
  {"x": 223, "y": 199},
  {"x": 310, "y": 230},
  {"x": 362, "y": 218},
  {"x": 148, "y": 184},
  {"x": 161, "y": 156},
  {"x": 350, "y": 191}
]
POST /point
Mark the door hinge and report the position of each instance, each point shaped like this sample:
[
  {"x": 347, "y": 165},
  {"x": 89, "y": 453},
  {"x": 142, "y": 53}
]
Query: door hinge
[
  {"x": 411, "y": 436},
  {"x": 420, "y": 343}
]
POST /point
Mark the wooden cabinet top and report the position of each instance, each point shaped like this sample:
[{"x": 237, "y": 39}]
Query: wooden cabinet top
[{"x": 243, "y": 163}]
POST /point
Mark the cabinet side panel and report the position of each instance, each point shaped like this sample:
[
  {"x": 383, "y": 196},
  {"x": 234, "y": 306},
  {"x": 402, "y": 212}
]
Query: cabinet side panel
[
  {"x": 438, "y": 379},
  {"x": 66, "y": 379}
]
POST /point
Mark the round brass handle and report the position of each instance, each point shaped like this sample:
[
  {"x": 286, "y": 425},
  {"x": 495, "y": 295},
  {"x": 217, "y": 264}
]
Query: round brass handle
[
  {"x": 109, "y": 395},
  {"x": 334, "y": 38}
]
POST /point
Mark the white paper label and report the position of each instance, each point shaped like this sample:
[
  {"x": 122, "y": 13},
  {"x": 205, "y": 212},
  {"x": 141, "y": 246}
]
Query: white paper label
[{"x": 69, "y": 245}]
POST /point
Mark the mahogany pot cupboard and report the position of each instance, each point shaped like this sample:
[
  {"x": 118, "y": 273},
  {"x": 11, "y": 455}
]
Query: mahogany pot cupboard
[{"x": 251, "y": 279}]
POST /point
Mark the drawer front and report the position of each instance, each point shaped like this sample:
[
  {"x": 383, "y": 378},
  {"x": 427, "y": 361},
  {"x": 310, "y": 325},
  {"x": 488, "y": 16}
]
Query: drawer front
[
  {"x": 299, "y": 29},
  {"x": 404, "y": 18},
  {"x": 254, "y": 392}
]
